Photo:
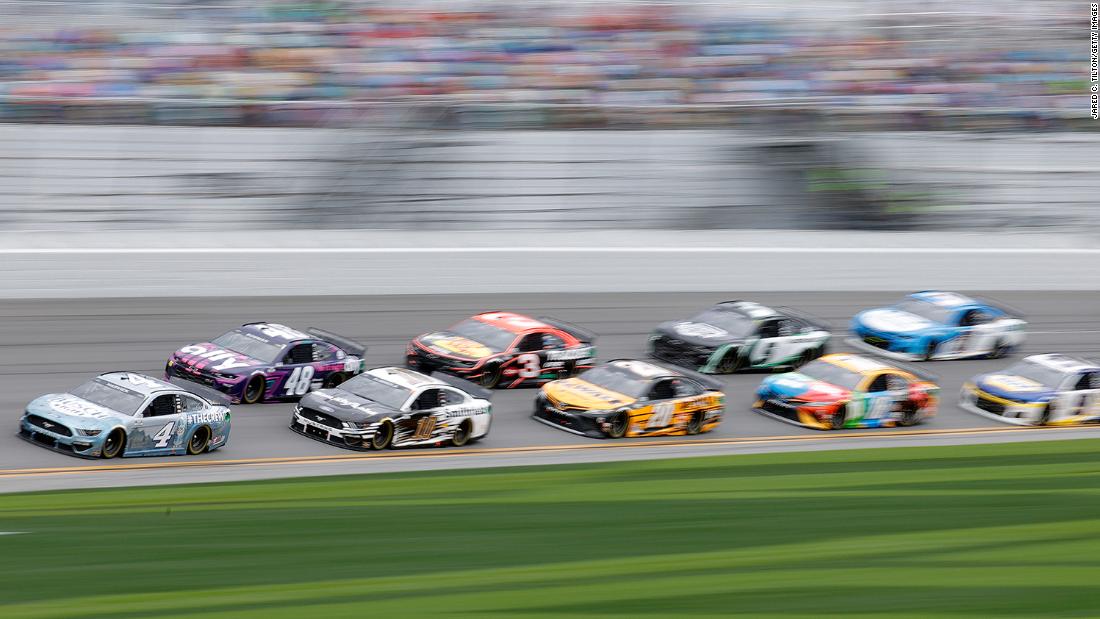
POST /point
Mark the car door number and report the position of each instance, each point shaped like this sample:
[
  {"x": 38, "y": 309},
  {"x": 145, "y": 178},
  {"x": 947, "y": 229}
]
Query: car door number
[
  {"x": 424, "y": 428},
  {"x": 528, "y": 365},
  {"x": 878, "y": 408},
  {"x": 299, "y": 380},
  {"x": 164, "y": 435},
  {"x": 662, "y": 415}
]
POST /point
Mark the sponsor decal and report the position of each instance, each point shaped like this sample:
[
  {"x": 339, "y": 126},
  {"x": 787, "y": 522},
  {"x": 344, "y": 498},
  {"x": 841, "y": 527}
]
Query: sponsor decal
[
  {"x": 79, "y": 408},
  {"x": 205, "y": 417},
  {"x": 458, "y": 345},
  {"x": 700, "y": 329},
  {"x": 569, "y": 354},
  {"x": 1008, "y": 382},
  {"x": 225, "y": 360},
  {"x": 342, "y": 401},
  {"x": 894, "y": 320}
]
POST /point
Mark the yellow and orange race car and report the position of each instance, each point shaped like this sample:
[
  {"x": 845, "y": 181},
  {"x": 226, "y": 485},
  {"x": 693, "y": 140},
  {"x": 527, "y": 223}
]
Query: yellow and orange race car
[{"x": 631, "y": 398}]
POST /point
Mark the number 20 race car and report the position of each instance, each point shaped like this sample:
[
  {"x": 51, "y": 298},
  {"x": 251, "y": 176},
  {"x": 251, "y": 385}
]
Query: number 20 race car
[
  {"x": 504, "y": 349},
  {"x": 848, "y": 391},
  {"x": 1055, "y": 390},
  {"x": 128, "y": 414},
  {"x": 395, "y": 407},
  {"x": 268, "y": 361},
  {"x": 631, "y": 398},
  {"x": 736, "y": 335},
  {"x": 937, "y": 325}
]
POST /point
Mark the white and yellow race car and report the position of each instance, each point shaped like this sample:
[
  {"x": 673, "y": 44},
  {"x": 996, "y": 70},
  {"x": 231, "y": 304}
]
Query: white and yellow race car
[{"x": 1050, "y": 389}]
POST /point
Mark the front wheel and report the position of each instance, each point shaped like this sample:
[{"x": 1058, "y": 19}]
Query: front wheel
[
  {"x": 1000, "y": 350},
  {"x": 114, "y": 443},
  {"x": 253, "y": 390},
  {"x": 929, "y": 351},
  {"x": 383, "y": 436},
  {"x": 200, "y": 440},
  {"x": 462, "y": 434},
  {"x": 490, "y": 378},
  {"x": 618, "y": 424},
  {"x": 1046, "y": 415},
  {"x": 839, "y": 417}
]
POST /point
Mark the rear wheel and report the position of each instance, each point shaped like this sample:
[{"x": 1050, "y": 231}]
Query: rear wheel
[
  {"x": 804, "y": 358},
  {"x": 730, "y": 363},
  {"x": 200, "y": 440},
  {"x": 618, "y": 424},
  {"x": 253, "y": 390},
  {"x": 695, "y": 426},
  {"x": 462, "y": 434},
  {"x": 839, "y": 418},
  {"x": 114, "y": 444},
  {"x": 383, "y": 436},
  {"x": 910, "y": 416}
]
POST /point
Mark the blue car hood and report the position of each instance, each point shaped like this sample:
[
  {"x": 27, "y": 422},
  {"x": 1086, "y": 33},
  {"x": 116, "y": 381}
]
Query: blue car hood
[
  {"x": 1012, "y": 387},
  {"x": 75, "y": 412},
  {"x": 890, "y": 320}
]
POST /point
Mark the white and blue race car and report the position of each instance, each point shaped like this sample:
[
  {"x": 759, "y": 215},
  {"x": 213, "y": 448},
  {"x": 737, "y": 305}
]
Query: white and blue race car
[
  {"x": 1051, "y": 389},
  {"x": 938, "y": 325}
]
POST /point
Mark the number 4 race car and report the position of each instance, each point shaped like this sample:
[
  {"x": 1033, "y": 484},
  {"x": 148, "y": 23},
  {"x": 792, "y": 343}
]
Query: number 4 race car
[
  {"x": 268, "y": 361},
  {"x": 504, "y": 349},
  {"x": 1051, "y": 389},
  {"x": 736, "y": 335},
  {"x": 848, "y": 391},
  {"x": 631, "y": 398},
  {"x": 937, "y": 325},
  {"x": 395, "y": 407},
  {"x": 128, "y": 414}
]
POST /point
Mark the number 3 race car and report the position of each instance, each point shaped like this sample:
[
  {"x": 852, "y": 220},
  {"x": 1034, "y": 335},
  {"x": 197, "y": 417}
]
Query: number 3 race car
[
  {"x": 937, "y": 325},
  {"x": 736, "y": 335},
  {"x": 395, "y": 407},
  {"x": 128, "y": 414},
  {"x": 631, "y": 398},
  {"x": 1055, "y": 390},
  {"x": 268, "y": 361},
  {"x": 504, "y": 349},
  {"x": 848, "y": 391}
]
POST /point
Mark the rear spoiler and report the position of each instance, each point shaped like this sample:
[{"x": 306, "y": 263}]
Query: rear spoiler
[
  {"x": 471, "y": 388},
  {"x": 707, "y": 381},
  {"x": 580, "y": 333},
  {"x": 1007, "y": 309},
  {"x": 211, "y": 395},
  {"x": 349, "y": 345},
  {"x": 810, "y": 319}
]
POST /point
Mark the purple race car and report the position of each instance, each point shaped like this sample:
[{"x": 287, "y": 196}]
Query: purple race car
[{"x": 268, "y": 361}]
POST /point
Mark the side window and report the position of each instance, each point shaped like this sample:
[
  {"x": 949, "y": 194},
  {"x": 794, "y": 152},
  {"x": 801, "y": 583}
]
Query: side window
[
  {"x": 878, "y": 384},
  {"x": 449, "y": 397},
  {"x": 683, "y": 388},
  {"x": 530, "y": 343},
  {"x": 787, "y": 328},
  {"x": 300, "y": 353},
  {"x": 662, "y": 390},
  {"x": 428, "y": 399},
  {"x": 896, "y": 382},
  {"x": 549, "y": 340},
  {"x": 323, "y": 351},
  {"x": 1089, "y": 380},
  {"x": 162, "y": 405},
  {"x": 190, "y": 404},
  {"x": 975, "y": 317},
  {"x": 769, "y": 329}
]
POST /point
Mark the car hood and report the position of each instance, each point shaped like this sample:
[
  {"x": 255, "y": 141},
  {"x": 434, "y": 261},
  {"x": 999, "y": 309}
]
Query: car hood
[
  {"x": 697, "y": 333},
  {"x": 583, "y": 394},
  {"x": 890, "y": 320},
  {"x": 1013, "y": 387},
  {"x": 802, "y": 387},
  {"x": 454, "y": 345},
  {"x": 75, "y": 412},
  {"x": 347, "y": 406},
  {"x": 211, "y": 357}
]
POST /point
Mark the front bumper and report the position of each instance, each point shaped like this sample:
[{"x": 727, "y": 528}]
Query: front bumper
[
  {"x": 795, "y": 413},
  {"x": 80, "y": 446},
  {"x": 347, "y": 438},
  {"x": 577, "y": 422},
  {"x": 976, "y": 401}
]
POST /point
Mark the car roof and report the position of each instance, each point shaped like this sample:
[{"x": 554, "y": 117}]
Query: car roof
[
  {"x": 642, "y": 369},
  {"x": 857, "y": 363},
  {"x": 137, "y": 382},
  {"x": 750, "y": 309},
  {"x": 1063, "y": 363},
  {"x": 511, "y": 321},
  {"x": 946, "y": 300},
  {"x": 405, "y": 378},
  {"x": 274, "y": 332}
]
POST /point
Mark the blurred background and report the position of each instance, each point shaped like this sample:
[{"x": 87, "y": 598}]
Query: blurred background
[{"x": 818, "y": 114}]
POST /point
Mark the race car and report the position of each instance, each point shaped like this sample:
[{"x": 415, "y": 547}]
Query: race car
[
  {"x": 938, "y": 325},
  {"x": 395, "y": 407},
  {"x": 128, "y": 414},
  {"x": 504, "y": 349},
  {"x": 631, "y": 398},
  {"x": 268, "y": 361},
  {"x": 848, "y": 391},
  {"x": 736, "y": 335},
  {"x": 1049, "y": 389}
]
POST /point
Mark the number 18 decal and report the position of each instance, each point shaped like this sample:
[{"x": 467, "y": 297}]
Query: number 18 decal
[{"x": 299, "y": 380}]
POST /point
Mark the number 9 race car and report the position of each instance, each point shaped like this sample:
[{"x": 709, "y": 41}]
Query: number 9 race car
[
  {"x": 631, "y": 398},
  {"x": 128, "y": 414},
  {"x": 848, "y": 391},
  {"x": 395, "y": 407},
  {"x": 504, "y": 349},
  {"x": 1051, "y": 389},
  {"x": 268, "y": 361},
  {"x": 736, "y": 335},
  {"x": 937, "y": 325}
]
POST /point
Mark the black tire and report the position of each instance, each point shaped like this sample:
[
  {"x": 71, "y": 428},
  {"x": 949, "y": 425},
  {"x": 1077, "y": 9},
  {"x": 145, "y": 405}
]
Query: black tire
[
  {"x": 695, "y": 426},
  {"x": 731, "y": 363},
  {"x": 804, "y": 358},
  {"x": 999, "y": 350},
  {"x": 199, "y": 441},
  {"x": 115, "y": 444},
  {"x": 334, "y": 380},
  {"x": 1044, "y": 417},
  {"x": 618, "y": 424},
  {"x": 836, "y": 422},
  {"x": 254, "y": 390},
  {"x": 462, "y": 434},
  {"x": 929, "y": 351},
  {"x": 383, "y": 436},
  {"x": 910, "y": 416},
  {"x": 490, "y": 378}
]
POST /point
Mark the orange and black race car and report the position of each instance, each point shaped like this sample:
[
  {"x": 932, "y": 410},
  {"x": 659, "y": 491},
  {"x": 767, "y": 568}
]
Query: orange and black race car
[
  {"x": 504, "y": 349},
  {"x": 632, "y": 398}
]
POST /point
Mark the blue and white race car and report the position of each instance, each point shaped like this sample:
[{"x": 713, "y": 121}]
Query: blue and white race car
[
  {"x": 938, "y": 325},
  {"x": 128, "y": 414},
  {"x": 1056, "y": 390}
]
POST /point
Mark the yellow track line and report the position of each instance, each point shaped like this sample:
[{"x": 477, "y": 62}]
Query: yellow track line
[{"x": 400, "y": 455}]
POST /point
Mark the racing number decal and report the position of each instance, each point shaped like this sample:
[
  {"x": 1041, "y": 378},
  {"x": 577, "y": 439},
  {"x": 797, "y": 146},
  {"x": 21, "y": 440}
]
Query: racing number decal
[
  {"x": 164, "y": 435},
  {"x": 877, "y": 408},
  {"x": 299, "y": 380},
  {"x": 529, "y": 365},
  {"x": 424, "y": 428},
  {"x": 662, "y": 415}
]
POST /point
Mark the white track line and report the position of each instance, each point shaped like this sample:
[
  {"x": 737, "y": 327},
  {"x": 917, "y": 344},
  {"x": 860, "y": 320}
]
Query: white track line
[{"x": 1051, "y": 251}]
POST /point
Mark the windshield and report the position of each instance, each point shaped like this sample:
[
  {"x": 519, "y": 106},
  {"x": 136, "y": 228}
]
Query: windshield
[
  {"x": 618, "y": 380},
  {"x": 110, "y": 396},
  {"x": 494, "y": 338},
  {"x": 249, "y": 346},
  {"x": 832, "y": 374},
  {"x": 1041, "y": 374},
  {"x": 377, "y": 390},
  {"x": 738, "y": 325},
  {"x": 926, "y": 310}
]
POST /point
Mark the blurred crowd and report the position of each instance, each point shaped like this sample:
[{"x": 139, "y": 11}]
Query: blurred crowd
[{"x": 605, "y": 53}]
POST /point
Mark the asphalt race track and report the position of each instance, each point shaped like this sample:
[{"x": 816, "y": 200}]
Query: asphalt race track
[{"x": 52, "y": 345}]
